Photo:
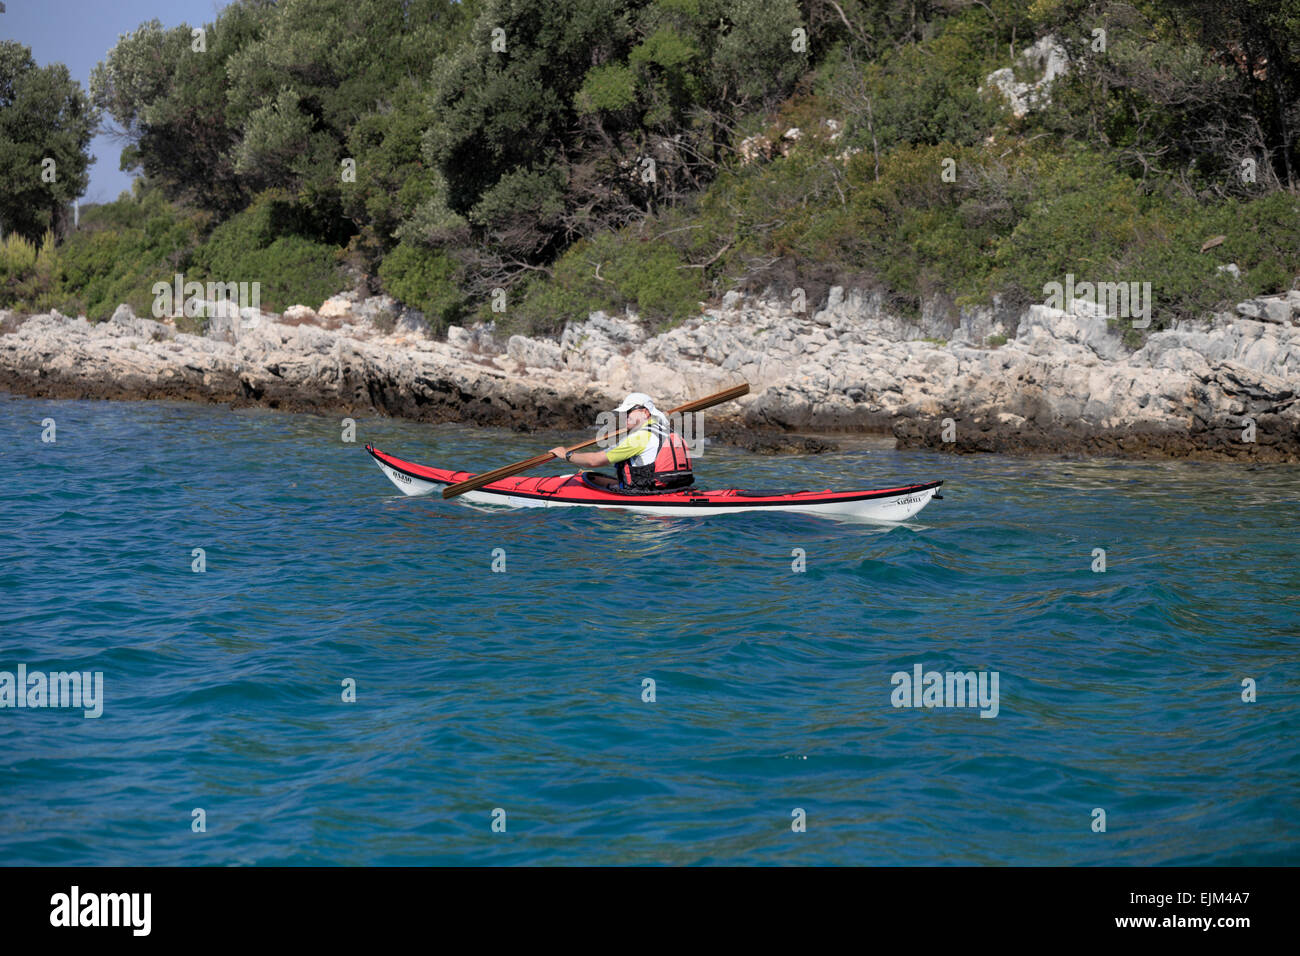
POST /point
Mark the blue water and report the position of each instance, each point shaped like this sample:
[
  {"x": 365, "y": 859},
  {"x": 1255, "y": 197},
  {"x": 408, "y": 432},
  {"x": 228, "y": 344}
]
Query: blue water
[{"x": 522, "y": 690}]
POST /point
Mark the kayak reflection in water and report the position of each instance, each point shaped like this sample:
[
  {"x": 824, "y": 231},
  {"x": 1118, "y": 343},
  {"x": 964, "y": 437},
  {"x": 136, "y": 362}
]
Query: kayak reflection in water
[{"x": 651, "y": 457}]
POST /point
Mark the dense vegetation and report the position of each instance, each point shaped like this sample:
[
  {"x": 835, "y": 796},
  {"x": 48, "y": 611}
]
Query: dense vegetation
[{"x": 556, "y": 158}]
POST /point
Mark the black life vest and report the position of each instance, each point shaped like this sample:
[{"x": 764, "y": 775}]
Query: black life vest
[{"x": 671, "y": 467}]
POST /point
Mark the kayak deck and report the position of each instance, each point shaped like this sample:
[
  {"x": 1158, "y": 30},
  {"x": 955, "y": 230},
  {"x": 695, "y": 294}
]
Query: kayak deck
[{"x": 549, "y": 491}]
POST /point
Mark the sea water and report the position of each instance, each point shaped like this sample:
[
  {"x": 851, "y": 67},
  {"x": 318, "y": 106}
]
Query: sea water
[{"x": 300, "y": 666}]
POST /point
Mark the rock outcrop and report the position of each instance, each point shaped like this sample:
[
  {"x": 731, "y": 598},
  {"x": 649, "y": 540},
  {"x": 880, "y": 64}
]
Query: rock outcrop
[
  {"x": 296, "y": 367},
  {"x": 1043, "y": 380},
  {"x": 1048, "y": 59}
]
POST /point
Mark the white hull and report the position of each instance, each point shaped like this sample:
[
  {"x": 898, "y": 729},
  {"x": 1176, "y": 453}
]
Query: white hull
[{"x": 894, "y": 508}]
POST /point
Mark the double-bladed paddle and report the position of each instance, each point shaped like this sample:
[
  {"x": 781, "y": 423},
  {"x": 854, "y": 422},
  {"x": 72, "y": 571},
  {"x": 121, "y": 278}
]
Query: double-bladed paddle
[{"x": 478, "y": 481}]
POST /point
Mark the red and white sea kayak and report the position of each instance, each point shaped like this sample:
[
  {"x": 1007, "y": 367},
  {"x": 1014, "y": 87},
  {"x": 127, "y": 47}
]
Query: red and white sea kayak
[{"x": 567, "y": 491}]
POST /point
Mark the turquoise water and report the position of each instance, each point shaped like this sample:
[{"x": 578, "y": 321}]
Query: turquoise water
[{"x": 522, "y": 690}]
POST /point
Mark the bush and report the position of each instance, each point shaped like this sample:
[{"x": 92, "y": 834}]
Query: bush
[
  {"x": 291, "y": 270},
  {"x": 29, "y": 274},
  {"x": 652, "y": 276},
  {"x": 17, "y": 256},
  {"x": 268, "y": 243},
  {"x": 425, "y": 280},
  {"x": 122, "y": 249},
  {"x": 1098, "y": 225},
  {"x": 610, "y": 272},
  {"x": 1013, "y": 218}
]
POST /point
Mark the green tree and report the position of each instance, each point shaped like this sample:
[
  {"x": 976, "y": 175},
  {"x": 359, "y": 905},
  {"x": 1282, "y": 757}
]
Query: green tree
[
  {"x": 46, "y": 123},
  {"x": 169, "y": 101},
  {"x": 395, "y": 194},
  {"x": 1259, "y": 40},
  {"x": 554, "y": 122},
  {"x": 321, "y": 69}
]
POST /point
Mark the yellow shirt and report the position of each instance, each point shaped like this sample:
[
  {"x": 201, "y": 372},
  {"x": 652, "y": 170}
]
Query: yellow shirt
[{"x": 632, "y": 445}]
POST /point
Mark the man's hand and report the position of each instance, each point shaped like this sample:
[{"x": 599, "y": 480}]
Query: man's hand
[{"x": 558, "y": 451}]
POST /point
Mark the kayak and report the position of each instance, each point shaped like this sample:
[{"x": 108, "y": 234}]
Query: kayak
[{"x": 567, "y": 491}]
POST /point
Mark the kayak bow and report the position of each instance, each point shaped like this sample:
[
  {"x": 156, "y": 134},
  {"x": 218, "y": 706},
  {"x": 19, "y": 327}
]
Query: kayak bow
[{"x": 566, "y": 491}]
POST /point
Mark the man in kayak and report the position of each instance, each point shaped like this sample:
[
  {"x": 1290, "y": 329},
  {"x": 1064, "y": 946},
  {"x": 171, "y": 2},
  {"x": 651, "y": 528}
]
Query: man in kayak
[{"x": 651, "y": 456}]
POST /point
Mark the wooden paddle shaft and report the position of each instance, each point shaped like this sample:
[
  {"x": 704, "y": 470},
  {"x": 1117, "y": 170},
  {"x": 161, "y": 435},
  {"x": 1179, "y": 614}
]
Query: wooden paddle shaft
[{"x": 478, "y": 481}]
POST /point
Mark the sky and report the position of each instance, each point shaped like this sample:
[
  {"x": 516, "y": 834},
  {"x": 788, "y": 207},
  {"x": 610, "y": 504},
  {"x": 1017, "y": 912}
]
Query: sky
[{"x": 78, "y": 34}]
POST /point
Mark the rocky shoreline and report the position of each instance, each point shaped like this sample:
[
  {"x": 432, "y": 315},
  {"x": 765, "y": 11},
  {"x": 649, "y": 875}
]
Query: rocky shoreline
[{"x": 1039, "y": 381}]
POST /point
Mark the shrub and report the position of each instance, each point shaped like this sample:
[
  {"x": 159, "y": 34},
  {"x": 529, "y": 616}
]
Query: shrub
[
  {"x": 291, "y": 270},
  {"x": 269, "y": 243},
  {"x": 122, "y": 249},
  {"x": 17, "y": 256},
  {"x": 425, "y": 280},
  {"x": 29, "y": 274},
  {"x": 610, "y": 272}
]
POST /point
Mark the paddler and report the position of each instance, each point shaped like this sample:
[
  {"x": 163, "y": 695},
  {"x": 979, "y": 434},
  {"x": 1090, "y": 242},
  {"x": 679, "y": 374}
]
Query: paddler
[{"x": 651, "y": 456}]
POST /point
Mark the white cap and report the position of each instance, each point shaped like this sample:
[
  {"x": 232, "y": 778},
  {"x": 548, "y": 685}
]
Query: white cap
[
  {"x": 637, "y": 398},
  {"x": 645, "y": 401}
]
